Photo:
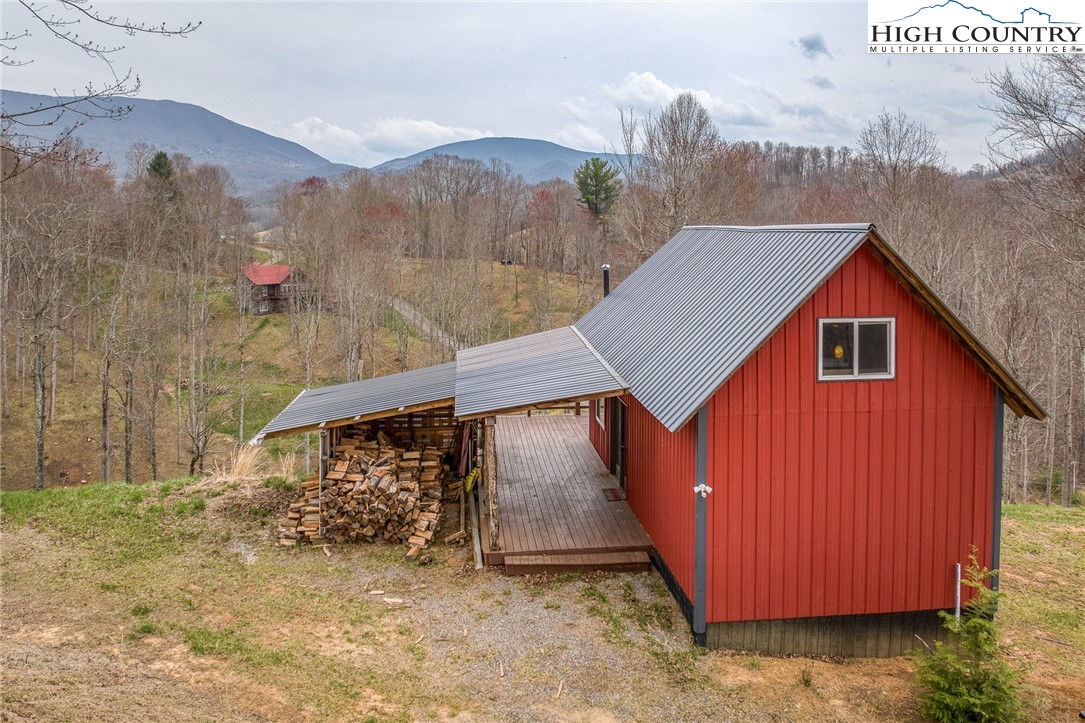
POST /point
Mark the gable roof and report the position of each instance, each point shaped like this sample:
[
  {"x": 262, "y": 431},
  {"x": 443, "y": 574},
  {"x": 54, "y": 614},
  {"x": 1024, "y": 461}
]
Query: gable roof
[
  {"x": 681, "y": 324},
  {"x": 265, "y": 275},
  {"x": 521, "y": 373},
  {"x": 671, "y": 334}
]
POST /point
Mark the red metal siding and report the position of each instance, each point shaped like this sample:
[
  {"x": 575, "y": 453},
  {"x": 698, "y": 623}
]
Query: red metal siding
[
  {"x": 659, "y": 486},
  {"x": 597, "y": 433},
  {"x": 846, "y": 497}
]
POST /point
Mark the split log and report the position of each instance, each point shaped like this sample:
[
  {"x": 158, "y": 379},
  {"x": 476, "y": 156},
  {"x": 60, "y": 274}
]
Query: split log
[{"x": 372, "y": 491}]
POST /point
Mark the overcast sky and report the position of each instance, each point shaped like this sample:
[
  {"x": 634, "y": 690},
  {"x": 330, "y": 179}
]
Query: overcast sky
[{"x": 363, "y": 82}]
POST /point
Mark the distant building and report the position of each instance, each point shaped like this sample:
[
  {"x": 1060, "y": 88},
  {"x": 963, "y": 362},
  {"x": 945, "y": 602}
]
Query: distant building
[{"x": 270, "y": 288}]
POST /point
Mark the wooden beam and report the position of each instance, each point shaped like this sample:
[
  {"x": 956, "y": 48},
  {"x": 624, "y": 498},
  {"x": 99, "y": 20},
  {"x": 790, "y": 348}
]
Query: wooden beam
[
  {"x": 359, "y": 418},
  {"x": 544, "y": 405}
]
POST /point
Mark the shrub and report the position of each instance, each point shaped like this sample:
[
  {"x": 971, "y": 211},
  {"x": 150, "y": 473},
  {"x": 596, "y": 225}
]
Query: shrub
[{"x": 969, "y": 679}]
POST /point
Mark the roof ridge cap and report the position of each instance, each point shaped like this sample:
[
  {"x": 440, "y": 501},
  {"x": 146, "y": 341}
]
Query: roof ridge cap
[
  {"x": 606, "y": 365},
  {"x": 857, "y": 226}
]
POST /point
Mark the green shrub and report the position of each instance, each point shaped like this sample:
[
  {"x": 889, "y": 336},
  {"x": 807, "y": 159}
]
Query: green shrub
[{"x": 969, "y": 679}]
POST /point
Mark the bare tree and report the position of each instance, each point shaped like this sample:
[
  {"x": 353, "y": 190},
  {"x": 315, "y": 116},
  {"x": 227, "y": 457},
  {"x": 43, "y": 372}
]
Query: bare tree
[
  {"x": 898, "y": 175},
  {"x": 29, "y": 134},
  {"x": 1039, "y": 146},
  {"x": 1038, "y": 149},
  {"x": 38, "y": 219},
  {"x": 664, "y": 160}
]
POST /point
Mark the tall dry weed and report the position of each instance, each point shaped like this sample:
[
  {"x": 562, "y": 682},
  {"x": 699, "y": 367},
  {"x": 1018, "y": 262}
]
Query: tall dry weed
[
  {"x": 245, "y": 462},
  {"x": 288, "y": 464}
]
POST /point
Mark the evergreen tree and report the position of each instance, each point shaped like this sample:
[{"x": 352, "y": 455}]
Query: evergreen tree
[
  {"x": 598, "y": 184},
  {"x": 161, "y": 166},
  {"x": 970, "y": 679}
]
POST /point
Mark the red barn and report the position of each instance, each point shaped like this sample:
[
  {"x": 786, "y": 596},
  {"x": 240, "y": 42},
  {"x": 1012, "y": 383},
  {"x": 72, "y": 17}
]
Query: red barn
[
  {"x": 845, "y": 426},
  {"x": 810, "y": 439}
]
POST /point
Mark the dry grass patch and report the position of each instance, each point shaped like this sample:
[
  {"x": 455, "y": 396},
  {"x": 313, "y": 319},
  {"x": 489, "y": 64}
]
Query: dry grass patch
[{"x": 199, "y": 610}]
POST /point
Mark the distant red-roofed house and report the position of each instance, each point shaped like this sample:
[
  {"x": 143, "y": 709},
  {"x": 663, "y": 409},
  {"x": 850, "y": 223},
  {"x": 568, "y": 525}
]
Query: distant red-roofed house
[{"x": 270, "y": 287}]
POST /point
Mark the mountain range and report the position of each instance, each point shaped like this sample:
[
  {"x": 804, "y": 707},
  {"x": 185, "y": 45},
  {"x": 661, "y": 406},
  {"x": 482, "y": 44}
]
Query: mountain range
[
  {"x": 535, "y": 160},
  {"x": 258, "y": 160}
]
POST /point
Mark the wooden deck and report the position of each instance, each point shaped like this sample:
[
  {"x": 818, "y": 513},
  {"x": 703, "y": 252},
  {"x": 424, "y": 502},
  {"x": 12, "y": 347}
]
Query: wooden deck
[{"x": 554, "y": 515}]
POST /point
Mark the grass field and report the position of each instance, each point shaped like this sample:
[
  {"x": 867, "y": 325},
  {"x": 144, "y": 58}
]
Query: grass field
[{"x": 170, "y": 601}]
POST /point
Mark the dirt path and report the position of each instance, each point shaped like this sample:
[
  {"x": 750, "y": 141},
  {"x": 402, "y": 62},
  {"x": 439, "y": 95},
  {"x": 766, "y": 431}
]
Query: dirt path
[{"x": 421, "y": 323}]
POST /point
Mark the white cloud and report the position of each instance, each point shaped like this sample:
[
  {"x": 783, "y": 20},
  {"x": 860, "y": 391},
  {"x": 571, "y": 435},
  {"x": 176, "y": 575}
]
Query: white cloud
[
  {"x": 313, "y": 132},
  {"x": 647, "y": 93},
  {"x": 581, "y": 137},
  {"x": 643, "y": 91},
  {"x": 580, "y": 108},
  {"x": 406, "y": 134},
  {"x": 803, "y": 119},
  {"x": 379, "y": 140}
]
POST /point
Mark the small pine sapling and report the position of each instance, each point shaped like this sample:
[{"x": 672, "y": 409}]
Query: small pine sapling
[{"x": 969, "y": 679}]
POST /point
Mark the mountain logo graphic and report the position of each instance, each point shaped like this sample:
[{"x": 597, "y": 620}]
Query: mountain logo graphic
[
  {"x": 1012, "y": 27},
  {"x": 1026, "y": 16}
]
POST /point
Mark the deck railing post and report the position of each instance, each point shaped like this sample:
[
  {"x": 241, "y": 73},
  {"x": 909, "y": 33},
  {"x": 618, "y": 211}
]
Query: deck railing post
[{"x": 489, "y": 477}]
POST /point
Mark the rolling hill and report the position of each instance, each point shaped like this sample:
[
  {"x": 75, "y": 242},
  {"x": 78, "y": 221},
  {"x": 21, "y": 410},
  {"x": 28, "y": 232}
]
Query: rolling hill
[
  {"x": 255, "y": 159},
  {"x": 533, "y": 159}
]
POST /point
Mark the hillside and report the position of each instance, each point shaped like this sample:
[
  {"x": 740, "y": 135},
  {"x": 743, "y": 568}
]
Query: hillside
[
  {"x": 255, "y": 159},
  {"x": 535, "y": 160},
  {"x": 273, "y": 376}
]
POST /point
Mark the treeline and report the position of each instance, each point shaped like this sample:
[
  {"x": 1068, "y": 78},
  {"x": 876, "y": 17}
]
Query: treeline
[{"x": 129, "y": 271}]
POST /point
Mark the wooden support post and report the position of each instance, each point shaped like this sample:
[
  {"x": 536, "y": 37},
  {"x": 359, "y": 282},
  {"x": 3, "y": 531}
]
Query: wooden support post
[
  {"x": 489, "y": 477},
  {"x": 325, "y": 453}
]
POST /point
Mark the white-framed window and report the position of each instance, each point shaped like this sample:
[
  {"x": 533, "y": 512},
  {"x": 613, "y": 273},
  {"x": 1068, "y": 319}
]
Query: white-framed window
[
  {"x": 600, "y": 413},
  {"x": 860, "y": 348}
]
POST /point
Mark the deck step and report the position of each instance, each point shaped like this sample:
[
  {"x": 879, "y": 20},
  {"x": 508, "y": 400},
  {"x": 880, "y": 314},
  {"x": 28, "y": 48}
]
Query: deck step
[{"x": 576, "y": 562}]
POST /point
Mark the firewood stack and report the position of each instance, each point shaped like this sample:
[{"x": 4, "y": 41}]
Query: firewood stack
[{"x": 374, "y": 491}]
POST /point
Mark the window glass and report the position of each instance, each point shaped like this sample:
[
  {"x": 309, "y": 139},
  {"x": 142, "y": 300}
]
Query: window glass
[
  {"x": 874, "y": 348},
  {"x": 836, "y": 351}
]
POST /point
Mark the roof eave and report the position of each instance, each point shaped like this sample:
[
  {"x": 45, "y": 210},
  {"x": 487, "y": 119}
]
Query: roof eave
[
  {"x": 540, "y": 405},
  {"x": 1015, "y": 395},
  {"x": 356, "y": 419}
]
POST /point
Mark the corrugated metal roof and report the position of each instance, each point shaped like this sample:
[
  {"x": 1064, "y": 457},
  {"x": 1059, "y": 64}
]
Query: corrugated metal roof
[
  {"x": 369, "y": 398},
  {"x": 671, "y": 334},
  {"x": 688, "y": 317},
  {"x": 537, "y": 369}
]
